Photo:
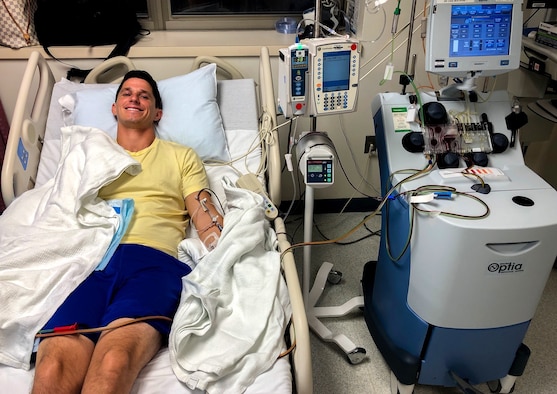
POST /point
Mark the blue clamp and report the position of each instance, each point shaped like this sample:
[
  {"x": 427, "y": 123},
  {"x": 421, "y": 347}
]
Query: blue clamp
[{"x": 443, "y": 195}]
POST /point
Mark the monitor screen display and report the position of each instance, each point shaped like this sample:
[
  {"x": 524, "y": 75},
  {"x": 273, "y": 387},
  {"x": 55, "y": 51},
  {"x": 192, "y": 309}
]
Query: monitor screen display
[
  {"x": 480, "y": 30},
  {"x": 473, "y": 37},
  {"x": 336, "y": 71}
]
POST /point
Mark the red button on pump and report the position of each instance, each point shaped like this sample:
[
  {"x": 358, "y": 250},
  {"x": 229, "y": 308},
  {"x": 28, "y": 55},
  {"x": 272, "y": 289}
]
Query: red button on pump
[
  {"x": 299, "y": 106},
  {"x": 354, "y": 46}
]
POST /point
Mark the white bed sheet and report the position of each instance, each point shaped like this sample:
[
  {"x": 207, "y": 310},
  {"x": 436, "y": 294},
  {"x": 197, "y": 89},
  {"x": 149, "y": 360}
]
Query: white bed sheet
[
  {"x": 157, "y": 378},
  {"x": 238, "y": 105}
]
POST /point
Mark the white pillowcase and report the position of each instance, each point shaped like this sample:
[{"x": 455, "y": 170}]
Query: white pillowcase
[{"x": 191, "y": 114}]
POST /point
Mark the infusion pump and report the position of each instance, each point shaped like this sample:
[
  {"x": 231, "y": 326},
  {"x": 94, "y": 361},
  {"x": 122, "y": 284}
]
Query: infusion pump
[{"x": 318, "y": 76}]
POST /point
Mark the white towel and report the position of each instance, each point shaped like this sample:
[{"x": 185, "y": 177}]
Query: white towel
[
  {"x": 53, "y": 236},
  {"x": 234, "y": 308}
]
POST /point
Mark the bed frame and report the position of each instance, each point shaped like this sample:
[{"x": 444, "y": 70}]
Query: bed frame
[{"x": 22, "y": 157}]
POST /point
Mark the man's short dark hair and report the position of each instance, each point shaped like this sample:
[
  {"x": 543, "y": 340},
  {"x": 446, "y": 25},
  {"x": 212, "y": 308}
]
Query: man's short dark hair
[{"x": 146, "y": 77}]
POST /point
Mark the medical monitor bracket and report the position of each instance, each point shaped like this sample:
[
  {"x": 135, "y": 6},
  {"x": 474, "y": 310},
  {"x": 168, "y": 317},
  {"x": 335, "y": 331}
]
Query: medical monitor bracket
[{"x": 473, "y": 38}]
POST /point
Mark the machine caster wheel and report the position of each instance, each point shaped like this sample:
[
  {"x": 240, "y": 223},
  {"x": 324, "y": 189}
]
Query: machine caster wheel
[
  {"x": 334, "y": 277},
  {"x": 399, "y": 388},
  {"x": 357, "y": 355},
  {"x": 496, "y": 387}
]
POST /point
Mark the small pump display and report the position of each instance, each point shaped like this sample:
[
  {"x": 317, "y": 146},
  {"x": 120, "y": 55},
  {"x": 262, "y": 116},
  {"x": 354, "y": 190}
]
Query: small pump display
[
  {"x": 319, "y": 171},
  {"x": 316, "y": 159}
]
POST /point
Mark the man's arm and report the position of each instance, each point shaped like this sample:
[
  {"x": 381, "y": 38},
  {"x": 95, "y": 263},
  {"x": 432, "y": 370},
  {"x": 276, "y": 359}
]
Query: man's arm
[{"x": 207, "y": 220}]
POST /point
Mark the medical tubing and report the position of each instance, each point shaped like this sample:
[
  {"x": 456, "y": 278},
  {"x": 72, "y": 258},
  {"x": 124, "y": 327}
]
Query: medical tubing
[
  {"x": 264, "y": 135},
  {"x": 348, "y": 233},
  {"x": 385, "y": 58},
  {"x": 371, "y": 234},
  {"x": 416, "y": 175},
  {"x": 365, "y": 219},
  {"x": 382, "y": 28},
  {"x": 426, "y": 189},
  {"x": 416, "y": 90},
  {"x": 396, "y": 15},
  {"x": 390, "y": 43},
  {"x": 410, "y": 34},
  {"x": 293, "y": 196},
  {"x": 337, "y": 239},
  {"x": 54, "y": 333}
]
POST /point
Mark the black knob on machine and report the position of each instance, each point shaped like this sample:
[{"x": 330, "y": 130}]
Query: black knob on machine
[
  {"x": 479, "y": 158},
  {"x": 499, "y": 142},
  {"x": 435, "y": 113},
  {"x": 448, "y": 160},
  {"x": 413, "y": 142}
]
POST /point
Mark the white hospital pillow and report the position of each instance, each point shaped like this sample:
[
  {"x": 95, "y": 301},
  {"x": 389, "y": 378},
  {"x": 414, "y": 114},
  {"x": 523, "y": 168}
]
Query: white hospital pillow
[{"x": 190, "y": 117}]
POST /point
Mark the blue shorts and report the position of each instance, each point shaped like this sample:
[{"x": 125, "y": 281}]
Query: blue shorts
[{"x": 138, "y": 281}]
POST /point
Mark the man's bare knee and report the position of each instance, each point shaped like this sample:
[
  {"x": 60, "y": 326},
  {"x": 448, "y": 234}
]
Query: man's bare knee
[
  {"x": 115, "y": 360},
  {"x": 61, "y": 364},
  {"x": 119, "y": 356}
]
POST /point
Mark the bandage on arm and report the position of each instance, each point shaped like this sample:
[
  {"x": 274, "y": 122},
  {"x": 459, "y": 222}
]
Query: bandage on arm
[{"x": 207, "y": 220}]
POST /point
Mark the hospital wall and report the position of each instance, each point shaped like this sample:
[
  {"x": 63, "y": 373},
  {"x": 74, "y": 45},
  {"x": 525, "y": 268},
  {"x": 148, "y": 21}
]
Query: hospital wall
[{"x": 170, "y": 53}]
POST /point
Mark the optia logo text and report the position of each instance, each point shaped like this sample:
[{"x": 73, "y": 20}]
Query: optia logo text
[{"x": 505, "y": 268}]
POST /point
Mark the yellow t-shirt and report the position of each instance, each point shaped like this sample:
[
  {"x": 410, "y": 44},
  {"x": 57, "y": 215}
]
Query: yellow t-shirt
[{"x": 169, "y": 173}]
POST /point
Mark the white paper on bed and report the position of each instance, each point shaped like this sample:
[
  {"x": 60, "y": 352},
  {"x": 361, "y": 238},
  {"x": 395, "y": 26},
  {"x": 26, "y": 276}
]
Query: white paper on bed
[
  {"x": 53, "y": 236},
  {"x": 234, "y": 306}
]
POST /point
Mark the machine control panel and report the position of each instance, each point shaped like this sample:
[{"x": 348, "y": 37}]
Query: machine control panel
[
  {"x": 299, "y": 65},
  {"x": 335, "y": 71},
  {"x": 319, "y": 171},
  {"x": 457, "y": 134}
]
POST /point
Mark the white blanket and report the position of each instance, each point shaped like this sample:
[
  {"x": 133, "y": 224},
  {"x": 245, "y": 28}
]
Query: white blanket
[
  {"x": 53, "y": 237},
  {"x": 234, "y": 308}
]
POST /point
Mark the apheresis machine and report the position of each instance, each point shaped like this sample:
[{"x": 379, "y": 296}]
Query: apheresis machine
[{"x": 469, "y": 233}]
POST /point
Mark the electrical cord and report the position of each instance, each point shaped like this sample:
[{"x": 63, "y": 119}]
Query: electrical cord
[
  {"x": 530, "y": 17},
  {"x": 358, "y": 170}
]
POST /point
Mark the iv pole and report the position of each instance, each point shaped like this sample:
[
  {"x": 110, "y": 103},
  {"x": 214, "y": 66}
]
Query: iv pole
[{"x": 311, "y": 297}]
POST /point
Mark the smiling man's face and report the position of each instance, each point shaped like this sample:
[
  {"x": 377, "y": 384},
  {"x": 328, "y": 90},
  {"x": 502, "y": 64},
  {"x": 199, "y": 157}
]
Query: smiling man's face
[{"x": 135, "y": 105}]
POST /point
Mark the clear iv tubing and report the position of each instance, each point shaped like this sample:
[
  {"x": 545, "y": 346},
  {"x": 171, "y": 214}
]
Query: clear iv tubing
[
  {"x": 384, "y": 23},
  {"x": 386, "y": 57}
]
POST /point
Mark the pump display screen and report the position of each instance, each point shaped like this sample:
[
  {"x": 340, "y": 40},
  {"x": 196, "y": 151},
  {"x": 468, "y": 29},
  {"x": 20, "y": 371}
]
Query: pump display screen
[
  {"x": 319, "y": 171},
  {"x": 480, "y": 30},
  {"x": 336, "y": 71}
]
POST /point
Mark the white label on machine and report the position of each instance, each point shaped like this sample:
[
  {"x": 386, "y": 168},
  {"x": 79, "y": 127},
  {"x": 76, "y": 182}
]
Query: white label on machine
[
  {"x": 400, "y": 115},
  {"x": 491, "y": 173}
]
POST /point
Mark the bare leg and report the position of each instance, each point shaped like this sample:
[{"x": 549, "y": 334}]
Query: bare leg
[
  {"x": 119, "y": 356},
  {"x": 62, "y": 363}
]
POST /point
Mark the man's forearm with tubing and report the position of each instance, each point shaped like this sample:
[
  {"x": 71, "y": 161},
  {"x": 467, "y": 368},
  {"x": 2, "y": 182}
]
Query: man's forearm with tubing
[{"x": 207, "y": 219}]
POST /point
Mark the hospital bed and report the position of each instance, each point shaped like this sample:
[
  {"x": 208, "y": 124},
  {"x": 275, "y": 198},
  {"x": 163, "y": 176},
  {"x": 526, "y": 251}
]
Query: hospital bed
[{"x": 249, "y": 119}]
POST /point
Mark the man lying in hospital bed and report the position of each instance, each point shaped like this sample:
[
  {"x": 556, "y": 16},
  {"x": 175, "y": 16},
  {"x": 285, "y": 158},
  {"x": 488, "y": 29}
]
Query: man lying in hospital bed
[
  {"x": 139, "y": 281},
  {"x": 132, "y": 112}
]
